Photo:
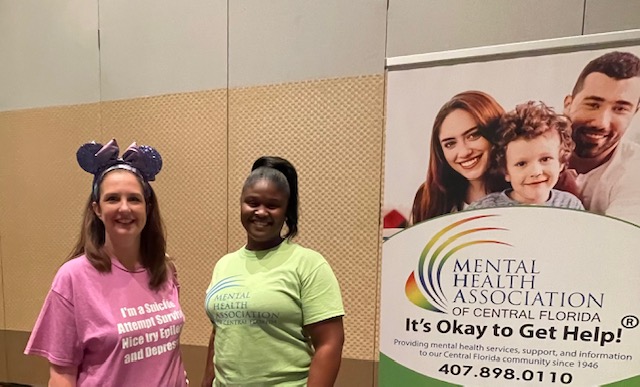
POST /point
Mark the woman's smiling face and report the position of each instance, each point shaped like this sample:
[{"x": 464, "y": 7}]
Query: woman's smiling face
[
  {"x": 121, "y": 206},
  {"x": 263, "y": 210},
  {"x": 464, "y": 148}
]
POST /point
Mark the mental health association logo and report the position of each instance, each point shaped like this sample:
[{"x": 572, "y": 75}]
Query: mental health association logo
[{"x": 423, "y": 287}]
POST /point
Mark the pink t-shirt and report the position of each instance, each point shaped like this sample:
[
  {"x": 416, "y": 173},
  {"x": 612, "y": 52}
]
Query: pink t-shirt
[{"x": 112, "y": 326}]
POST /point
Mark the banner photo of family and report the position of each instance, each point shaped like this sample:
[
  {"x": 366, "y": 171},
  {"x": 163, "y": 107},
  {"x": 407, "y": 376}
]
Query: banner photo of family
[{"x": 511, "y": 222}]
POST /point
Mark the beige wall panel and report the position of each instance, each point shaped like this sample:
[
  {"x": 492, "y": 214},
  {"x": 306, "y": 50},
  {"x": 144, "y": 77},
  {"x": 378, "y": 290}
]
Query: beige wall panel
[
  {"x": 376, "y": 343},
  {"x": 42, "y": 194},
  {"x": 49, "y": 52},
  {"x": 332, "y": 131},
  {"x": 611, "y": 15},
  {"x": 31, "y": 370},
  {"x": 419, "y": 26},
  {"x": 190, "y": 132},
  {"x": 3, "y": 356},
  {"x": 2, "y": 319},
  {"x": 151, "y": 47},
  {"x": 295, "y": 40}
]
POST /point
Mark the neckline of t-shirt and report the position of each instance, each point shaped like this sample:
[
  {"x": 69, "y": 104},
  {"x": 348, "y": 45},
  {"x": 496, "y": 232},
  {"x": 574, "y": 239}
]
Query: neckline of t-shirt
[
  {"x": 115, "y": 262},
  {"x": 602, "y": 167},
  {"x": 261, "y": 254},
  {"x": 552, "y": 195}
]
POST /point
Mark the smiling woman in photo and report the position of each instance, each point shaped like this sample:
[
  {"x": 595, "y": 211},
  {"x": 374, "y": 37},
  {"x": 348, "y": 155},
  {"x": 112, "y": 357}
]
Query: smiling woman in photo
[{"x": 459, "y": 170}]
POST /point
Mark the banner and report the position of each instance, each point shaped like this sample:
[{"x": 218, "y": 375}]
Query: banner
[{"x": 486, "y": 292}]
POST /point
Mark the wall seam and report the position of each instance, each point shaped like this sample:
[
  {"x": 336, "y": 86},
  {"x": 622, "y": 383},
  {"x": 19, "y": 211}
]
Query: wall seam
[
  {"x": 4, "y": 304},
  {"x": 228, "y": 131},
  {"x": 4, "y": 314},
  {"x": 100, "y": 102},
  {"x": 584, "y": 15},
  {"x": 376, "y": 340}
]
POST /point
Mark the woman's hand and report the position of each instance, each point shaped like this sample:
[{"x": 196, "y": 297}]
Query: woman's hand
[
  {"x": 62, "y": 376},
  {"x": 327, "y": 338}
]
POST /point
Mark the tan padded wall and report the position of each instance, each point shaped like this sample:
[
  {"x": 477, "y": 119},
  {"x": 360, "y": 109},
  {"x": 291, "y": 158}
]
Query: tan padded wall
[
  {"x": 190, "y": 132},
  {"x": 42, "y": 192},
  {"x": 332, "y": 131},
  {"x": 2, "y": 183},
  {"x": 3, "y": 341},
  {"x": 3, "y": 356}
]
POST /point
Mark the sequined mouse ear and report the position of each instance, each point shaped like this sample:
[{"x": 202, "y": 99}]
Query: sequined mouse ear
[
  {"x": 145, "y": 159},
  {"x": 153, "y": 162},
  {"x": 86, "y": 156}
]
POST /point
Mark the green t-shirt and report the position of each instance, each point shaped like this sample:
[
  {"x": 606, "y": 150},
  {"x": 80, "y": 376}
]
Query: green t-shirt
[{"x": 259, "y": 301}]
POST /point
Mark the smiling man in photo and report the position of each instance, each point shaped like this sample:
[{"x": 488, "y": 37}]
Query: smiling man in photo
[{"x": 602, "y": 105}]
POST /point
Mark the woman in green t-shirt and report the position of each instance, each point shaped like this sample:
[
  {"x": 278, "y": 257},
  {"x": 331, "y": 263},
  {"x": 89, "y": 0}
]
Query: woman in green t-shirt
[{"x": 275, "y": 306}]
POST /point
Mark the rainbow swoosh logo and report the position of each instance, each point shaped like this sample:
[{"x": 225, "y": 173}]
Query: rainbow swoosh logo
[
  {"x": 228, "y": 282},
  {"x": 425, "y": 291}
]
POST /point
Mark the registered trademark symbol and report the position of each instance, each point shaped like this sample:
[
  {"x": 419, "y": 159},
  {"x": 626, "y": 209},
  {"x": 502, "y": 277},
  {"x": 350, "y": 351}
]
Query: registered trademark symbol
[{"x": 630, "y": 321}]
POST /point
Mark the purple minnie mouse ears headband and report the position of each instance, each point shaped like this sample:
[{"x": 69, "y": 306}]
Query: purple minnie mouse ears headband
[{"x": 97, "y": 159}]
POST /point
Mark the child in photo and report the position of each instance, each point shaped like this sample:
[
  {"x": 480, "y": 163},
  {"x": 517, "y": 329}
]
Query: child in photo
[{"x": 532, "y": 146}]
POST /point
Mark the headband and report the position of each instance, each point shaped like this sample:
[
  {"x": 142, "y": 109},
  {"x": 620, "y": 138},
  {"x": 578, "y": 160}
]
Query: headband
[{"x": 97, "y": 159}]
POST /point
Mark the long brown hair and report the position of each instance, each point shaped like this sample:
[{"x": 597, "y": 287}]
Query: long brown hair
[
  {"x": 153, "y": 244},
  {"x": 444, "y": 188}
]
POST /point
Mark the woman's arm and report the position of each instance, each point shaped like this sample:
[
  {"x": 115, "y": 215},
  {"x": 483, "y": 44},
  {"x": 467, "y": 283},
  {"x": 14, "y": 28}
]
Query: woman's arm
[
  {"x": 62, "y": 376},
  {"x": 327, "y": 337},
  {"x": 209, "y": 371}
]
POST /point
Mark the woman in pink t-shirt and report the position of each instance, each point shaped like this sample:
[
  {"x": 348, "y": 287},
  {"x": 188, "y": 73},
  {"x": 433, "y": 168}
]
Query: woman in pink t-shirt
[{"x": 112, "y": 316}]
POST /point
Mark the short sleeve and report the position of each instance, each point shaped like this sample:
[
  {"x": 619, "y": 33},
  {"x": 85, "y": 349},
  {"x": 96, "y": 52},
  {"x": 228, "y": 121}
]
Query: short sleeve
[
  {"x": 55, "y": 336},
  {"x": 320, "y": 295},
  {"x": 576, "y": 204},
  {"x": 173, "y": 275}
]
